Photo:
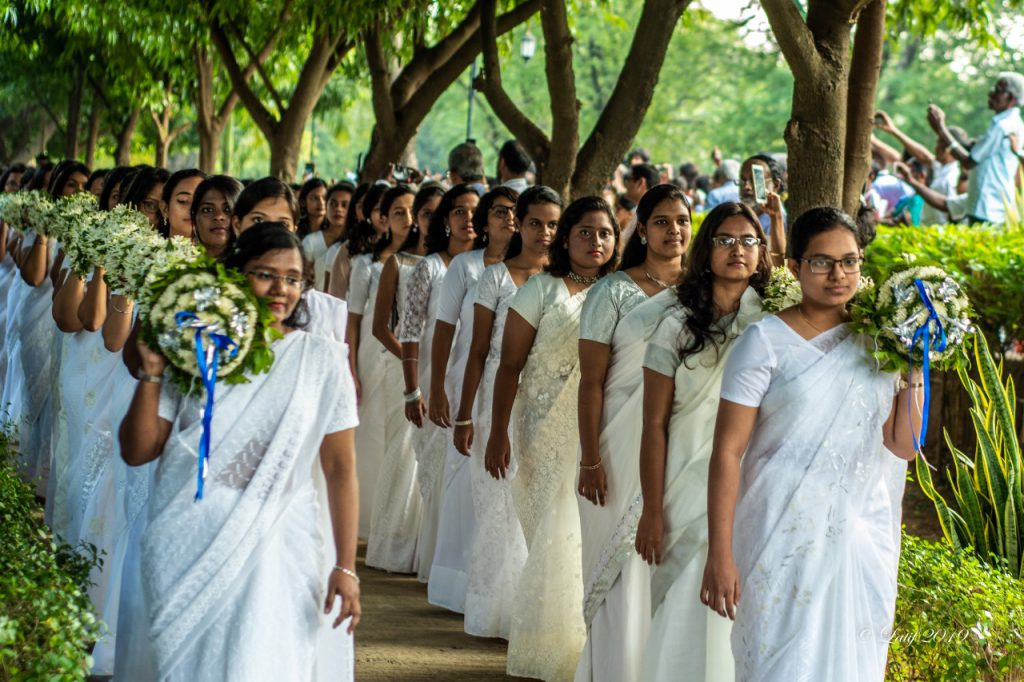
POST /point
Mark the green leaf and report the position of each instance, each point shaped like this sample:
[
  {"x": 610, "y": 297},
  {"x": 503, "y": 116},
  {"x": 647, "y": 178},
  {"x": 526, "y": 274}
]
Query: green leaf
[
  {"x": 967, "y": 499},
  {"x": 1012, "y": 540}
]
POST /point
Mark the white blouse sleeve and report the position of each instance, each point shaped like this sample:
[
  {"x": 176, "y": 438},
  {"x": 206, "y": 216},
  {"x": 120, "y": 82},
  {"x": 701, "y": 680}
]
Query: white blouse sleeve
[
  {"x": 488, "y": 286},
  {"x": 414, "y": 309},
  {"x": 170, "y": 402},
  {"x": 748, "y": 369},
  {"x": 600, "y": 314},
  {"x": 453, "y": 290},
  {"x": 529, "y": 300},
  {"x": 359, "y": 286},
  {"x": 662, "y": 354}
]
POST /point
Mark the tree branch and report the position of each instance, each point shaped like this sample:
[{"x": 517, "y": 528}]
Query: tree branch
[
  {"x": 260, "y": 115},
  {"x": 420, "y": 103},
  {"x": 562, "y": 86},
  {"x": 865, "y": 67},
  {"x": 264, "y": 76},
  {"x": 426, "y": 61},
  {"x": 793, "y": 35},
  {"x": 624, "y": 111},
  {"x": 532, "y": 138},
  {"x": 380, "y": 81}
]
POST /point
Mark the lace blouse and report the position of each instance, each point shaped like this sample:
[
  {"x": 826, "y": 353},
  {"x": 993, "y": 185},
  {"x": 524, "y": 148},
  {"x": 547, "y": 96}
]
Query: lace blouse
[{"x": 421, "y": 298}]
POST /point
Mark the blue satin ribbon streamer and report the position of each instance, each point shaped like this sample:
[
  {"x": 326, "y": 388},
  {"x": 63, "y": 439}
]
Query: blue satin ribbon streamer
[
  {"x": 207, "y": 358},
  {"x": 938, "y": 343}
]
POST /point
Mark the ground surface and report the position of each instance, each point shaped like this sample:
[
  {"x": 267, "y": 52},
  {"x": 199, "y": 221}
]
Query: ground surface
[{"x": 403, "y": 638}]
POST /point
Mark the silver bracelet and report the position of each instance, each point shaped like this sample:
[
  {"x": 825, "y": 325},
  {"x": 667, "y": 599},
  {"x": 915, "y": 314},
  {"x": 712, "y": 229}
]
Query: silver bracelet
[
  {"x": 413, "y": 395},
  {"x": 151, "y": 378},
  {"x": 464, "y": 422},
  {"x": 349, "y": 572}
]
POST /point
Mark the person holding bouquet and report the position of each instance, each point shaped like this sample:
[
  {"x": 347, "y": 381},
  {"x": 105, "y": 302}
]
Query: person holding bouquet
[{"x": 806, "y": 478}]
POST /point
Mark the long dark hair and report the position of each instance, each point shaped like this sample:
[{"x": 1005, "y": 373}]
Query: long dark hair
[
  {"x": 265, "y": 188},
  {"x": 437, "y": 240},
  {"x": 308, "y": 186},
  {"x": 386, "y": 201},
  {"x": 635, "y": 252},
  {"x": 558, "y": 253},
  {"x": 695, "y": 290},
  {"x": 363, "y": 235},
  {"x": 482, "y": 213},
  {"x": 258, "y": 240},
  {"x": 142, "y": 182},
  {"x": 351, "y": 219},
  {"x": 168, "y": 194},
  {"x": 113, "y": 180},
  {"x": 815, "y": 221},
  {"x": 531, "y": 196},
  {"x": 62, "y": 173}
]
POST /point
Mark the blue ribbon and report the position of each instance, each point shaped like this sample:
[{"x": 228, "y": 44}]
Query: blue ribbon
[
  {"x": 207, "y": 358},
  {"x": 938, "y": 343}
]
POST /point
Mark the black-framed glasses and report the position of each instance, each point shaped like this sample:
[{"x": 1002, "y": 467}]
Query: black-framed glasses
[
  {"x": 822, "y": 265},
  {"x": 727, "y": 242},
  {"x": 265, "y": 277},
  {"x": 501, "y": 212}
]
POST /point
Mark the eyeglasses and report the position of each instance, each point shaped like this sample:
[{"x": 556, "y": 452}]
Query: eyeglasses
[
  {"x": 501, "y": 212},
  {"x": 726, "y": 242},
  {"x": 150, "y": 206},
  {"x": 265, "y": 277},
  {"x": 823, "y": 265}
]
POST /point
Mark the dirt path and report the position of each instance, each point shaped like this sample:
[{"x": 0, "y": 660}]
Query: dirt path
[{"x": 403, "y": 638}]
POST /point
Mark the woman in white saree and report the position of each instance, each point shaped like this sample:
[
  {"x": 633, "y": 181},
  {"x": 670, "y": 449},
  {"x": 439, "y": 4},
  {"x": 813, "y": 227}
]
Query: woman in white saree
[
  {"x": 397, "y": 507},
  {"x": 38, "y": 334},
  {"x": 540, "y": 341},
  {"x": 682, "y": 374},
  {"x": 234, "y": 582},
  {"x": 804, "y": 527},
  {"x": 620, "y": 313},
  {"x": 416, "y": 332},
  {"x": 499, "y": 549}
]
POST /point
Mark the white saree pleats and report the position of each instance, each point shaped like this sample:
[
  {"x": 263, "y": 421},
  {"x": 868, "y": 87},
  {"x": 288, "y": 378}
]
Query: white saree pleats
[
  {"x": 816, "y": 537},
  {"x": 548, "y": 633}
]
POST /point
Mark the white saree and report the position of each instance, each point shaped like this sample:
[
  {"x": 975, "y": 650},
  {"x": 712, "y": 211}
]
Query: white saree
[
  {"x": 234, "y": 583},
  {"x": 547, "y": 632},
  {"x": 816, "y": 537},
  {"x": 616, "y": 594},
  {"x": 37, "y": 332},
  {"x": 685, "y": 634}
]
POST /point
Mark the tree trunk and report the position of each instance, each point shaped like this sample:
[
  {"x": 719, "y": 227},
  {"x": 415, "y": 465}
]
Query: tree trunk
[
  {"x": 285, "y": 146},
  {"x": 209, "y": 141},
  {"x": 865, "y": 68},
  {"x": 228, "y": 149},
  {"x": 74, "y": 114},
  {"x": 123, "y": 153},
  {"x": 161, "y": 145},
  {"x": 94, "y": 134}
]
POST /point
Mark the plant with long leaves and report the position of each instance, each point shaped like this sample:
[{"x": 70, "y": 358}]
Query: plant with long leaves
[{"x": 989, "y": 504}]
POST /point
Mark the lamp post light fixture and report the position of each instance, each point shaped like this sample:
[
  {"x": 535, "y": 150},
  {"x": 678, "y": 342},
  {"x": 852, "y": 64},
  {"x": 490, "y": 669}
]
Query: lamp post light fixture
[{"x": 527, "y": 46}]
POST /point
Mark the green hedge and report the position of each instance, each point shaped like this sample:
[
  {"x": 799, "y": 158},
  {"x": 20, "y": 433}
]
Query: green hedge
[
  {"x": 987, "y": 261},
  {"x": 957, "y": 618},
  {"x": 46, "y": 624}
]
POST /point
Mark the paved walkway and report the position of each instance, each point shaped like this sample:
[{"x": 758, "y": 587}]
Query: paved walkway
[{"x": 403, "y": 638}]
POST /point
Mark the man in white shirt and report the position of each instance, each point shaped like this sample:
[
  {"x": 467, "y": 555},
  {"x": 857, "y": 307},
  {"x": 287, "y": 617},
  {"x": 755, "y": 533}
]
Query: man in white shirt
[
  {"x": 513, "y": 164},
  {"x": 991, "y": 160},
  {"x": 944, "y": 166}
]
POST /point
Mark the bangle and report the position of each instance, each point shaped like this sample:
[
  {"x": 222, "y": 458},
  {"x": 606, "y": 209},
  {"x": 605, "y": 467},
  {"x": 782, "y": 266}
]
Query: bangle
[
  {"x": 410, "y": 359},
  {"x": 349, "y": 572},
  {"x": 151, "y": 378},
  {"x": 413, "y": 395},
  {"x": 590, "y": 467},
  {"x": 118, "y": 310},
  {"x": 905, "y": 385},
  {"x": 778, "y": 253},
  {"x": 463, "y": 422}
]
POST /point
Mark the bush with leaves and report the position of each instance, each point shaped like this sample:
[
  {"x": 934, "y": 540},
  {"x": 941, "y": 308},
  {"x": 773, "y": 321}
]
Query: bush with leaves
[
  {"x": 46, "y": 624},
  {"x": 987, "y": 261},
  {"x": 957, "y": 618},
  {"x": 987, "y": 488}
]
